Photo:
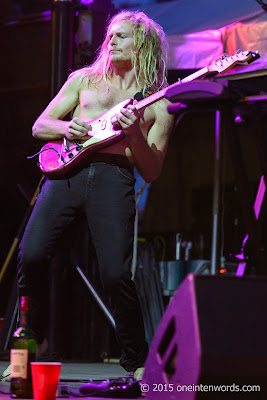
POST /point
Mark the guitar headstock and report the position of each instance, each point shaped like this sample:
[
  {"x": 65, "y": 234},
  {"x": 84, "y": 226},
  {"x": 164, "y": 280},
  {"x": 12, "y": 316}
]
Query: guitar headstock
[{"x": 226, "y": 62}]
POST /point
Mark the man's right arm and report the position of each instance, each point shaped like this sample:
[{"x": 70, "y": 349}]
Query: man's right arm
[{"x": 50, "y": 126}]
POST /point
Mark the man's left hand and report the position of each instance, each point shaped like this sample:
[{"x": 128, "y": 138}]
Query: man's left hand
[{"x": 129, "y": 119}]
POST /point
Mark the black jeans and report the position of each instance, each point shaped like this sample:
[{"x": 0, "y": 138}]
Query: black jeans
[{"x": 104, "y": 190}]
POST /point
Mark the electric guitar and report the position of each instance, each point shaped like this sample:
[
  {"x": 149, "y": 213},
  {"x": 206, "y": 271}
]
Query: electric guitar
[{"x": 59, "y": 157}]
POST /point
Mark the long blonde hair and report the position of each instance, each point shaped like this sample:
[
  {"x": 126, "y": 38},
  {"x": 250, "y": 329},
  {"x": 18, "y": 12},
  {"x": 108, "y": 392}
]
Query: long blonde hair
[{"x": 148, "y": 57}]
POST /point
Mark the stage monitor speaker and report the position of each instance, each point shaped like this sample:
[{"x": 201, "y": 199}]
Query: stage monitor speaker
[{"x": 211, "y": 342}]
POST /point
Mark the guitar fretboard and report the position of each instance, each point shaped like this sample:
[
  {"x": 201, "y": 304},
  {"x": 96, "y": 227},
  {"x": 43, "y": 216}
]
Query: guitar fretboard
[
  {"x": 159, "y": 95},
  {"x": 150, "y": 99}
]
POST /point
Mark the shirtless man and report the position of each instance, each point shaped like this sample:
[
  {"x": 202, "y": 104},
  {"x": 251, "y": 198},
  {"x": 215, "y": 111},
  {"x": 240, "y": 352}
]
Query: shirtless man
[{"x": 131, "y": 60}]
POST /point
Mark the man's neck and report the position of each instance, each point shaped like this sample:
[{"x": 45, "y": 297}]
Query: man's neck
[{"x": 124, "y": 79}]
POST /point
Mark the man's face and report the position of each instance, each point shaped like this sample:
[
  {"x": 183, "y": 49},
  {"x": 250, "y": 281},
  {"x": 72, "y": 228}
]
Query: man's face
[{"x": 120, "y": 45}]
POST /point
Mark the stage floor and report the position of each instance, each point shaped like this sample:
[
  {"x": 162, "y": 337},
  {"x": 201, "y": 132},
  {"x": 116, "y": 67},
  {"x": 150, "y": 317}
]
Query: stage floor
[{"x": 75, "y": 374}]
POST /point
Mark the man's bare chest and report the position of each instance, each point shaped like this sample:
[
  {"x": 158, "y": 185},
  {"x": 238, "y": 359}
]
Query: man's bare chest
[{"x": 93, "y": 104}]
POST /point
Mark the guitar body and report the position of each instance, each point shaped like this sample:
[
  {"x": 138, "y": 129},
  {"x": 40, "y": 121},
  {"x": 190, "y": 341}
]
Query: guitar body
[{"x": 59, "y": 157}]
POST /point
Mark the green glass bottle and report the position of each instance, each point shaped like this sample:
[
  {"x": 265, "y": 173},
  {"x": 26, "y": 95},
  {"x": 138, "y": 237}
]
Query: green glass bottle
[{"x": 23, "y": 351}]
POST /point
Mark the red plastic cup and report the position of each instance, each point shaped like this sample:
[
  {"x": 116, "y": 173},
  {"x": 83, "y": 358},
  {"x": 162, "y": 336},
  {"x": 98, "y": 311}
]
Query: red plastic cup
[{"x": 45, "y": 376}]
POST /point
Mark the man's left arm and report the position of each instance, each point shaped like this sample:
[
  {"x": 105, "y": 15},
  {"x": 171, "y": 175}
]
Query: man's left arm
[{"x": 148, "y": 153}]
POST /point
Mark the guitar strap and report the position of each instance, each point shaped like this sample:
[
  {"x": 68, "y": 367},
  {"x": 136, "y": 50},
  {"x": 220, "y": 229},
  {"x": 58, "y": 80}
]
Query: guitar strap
[{"x": 140, "y": 96}]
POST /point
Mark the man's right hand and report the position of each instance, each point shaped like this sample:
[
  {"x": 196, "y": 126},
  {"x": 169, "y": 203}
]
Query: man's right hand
[{"x": 76, "y": 129}]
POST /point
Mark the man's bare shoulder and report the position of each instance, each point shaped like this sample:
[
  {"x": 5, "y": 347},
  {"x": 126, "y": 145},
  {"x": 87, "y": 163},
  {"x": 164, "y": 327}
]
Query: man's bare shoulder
[
  {"x": 76, "y": 77},
  {"x": 79, "y": 78},
  {"x": 160, "y": 107},
  {"x": 84, "y": 80}
]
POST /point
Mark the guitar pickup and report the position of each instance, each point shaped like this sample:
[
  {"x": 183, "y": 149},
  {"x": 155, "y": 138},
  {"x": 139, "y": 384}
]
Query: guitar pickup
[{"x": 103, "y": 124}]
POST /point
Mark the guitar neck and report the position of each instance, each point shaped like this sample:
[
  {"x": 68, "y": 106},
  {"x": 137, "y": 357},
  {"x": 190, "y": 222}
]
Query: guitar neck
[
  {"x": 198, "y": 74},
  {"x": 159, "y": 95}
]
